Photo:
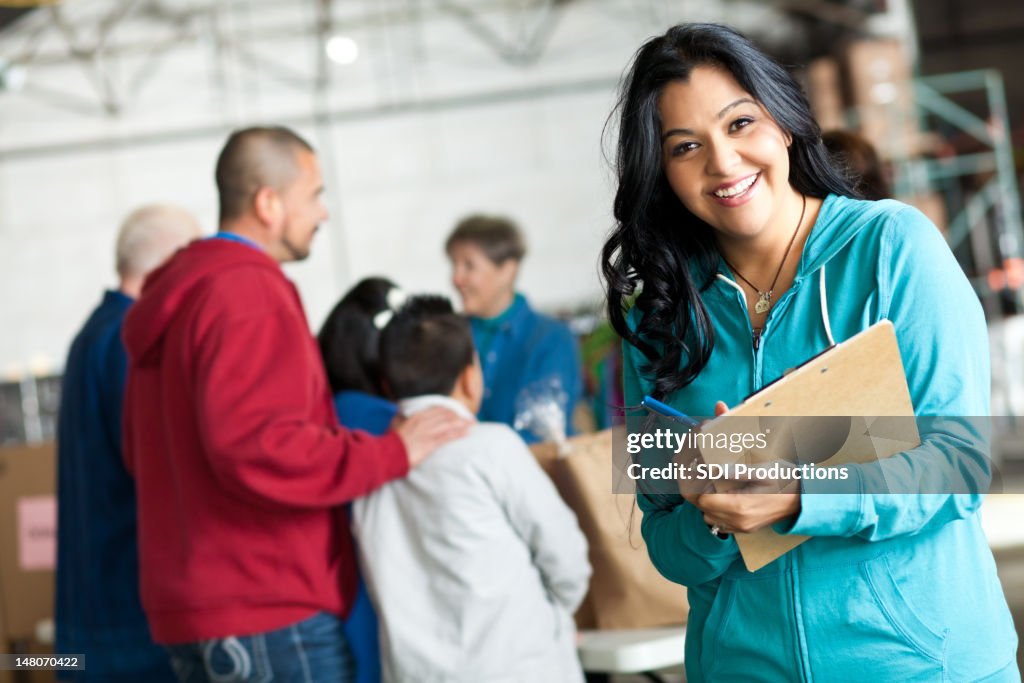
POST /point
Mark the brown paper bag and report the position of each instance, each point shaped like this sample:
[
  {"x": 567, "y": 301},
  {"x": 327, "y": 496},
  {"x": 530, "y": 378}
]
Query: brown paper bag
[{"x": 626, "y": 591}]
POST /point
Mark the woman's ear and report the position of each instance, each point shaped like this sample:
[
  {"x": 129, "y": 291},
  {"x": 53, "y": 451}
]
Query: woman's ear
[
  {"x": 267, "y": 205},
  {"x": 471, "y": 384},
  {"x": 507, "y": 273}
]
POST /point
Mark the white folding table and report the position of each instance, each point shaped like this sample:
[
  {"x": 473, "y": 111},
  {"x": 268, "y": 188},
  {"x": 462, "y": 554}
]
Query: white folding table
[{"x": 631, "y": 651}]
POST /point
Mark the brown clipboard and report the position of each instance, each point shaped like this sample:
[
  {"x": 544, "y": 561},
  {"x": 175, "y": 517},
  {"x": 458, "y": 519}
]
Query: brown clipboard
[{"x": 855, "y": 382}]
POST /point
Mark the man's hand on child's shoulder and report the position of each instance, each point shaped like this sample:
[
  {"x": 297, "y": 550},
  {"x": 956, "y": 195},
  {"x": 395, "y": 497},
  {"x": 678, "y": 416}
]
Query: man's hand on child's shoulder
[{"x": 426, "y": 431}]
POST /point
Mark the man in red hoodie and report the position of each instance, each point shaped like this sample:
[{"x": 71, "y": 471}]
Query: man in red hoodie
[{"x": 246, "y": 559}]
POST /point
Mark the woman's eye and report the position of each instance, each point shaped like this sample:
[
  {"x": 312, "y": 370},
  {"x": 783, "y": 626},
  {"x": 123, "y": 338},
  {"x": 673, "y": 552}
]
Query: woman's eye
[
  {"x": 741, "y": 122},
  {"x": 683, "y": 148}
]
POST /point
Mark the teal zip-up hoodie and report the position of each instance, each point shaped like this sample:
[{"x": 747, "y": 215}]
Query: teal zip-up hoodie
[{"x": 892, "y": 587}]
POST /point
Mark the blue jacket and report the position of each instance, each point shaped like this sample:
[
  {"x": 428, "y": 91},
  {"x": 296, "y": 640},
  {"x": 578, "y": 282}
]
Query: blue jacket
[
  {"x": 98, "y": 612},
  {"x": 357, "y": 410},
  {"x": 890, "y": 587},
  {"x": 527, "y": 348}
]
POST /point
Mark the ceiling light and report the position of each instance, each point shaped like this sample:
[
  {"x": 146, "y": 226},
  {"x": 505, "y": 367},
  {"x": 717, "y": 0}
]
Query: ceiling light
[
  {"x": 342, "y": 49},
  {"x": 12, "y": 76}
]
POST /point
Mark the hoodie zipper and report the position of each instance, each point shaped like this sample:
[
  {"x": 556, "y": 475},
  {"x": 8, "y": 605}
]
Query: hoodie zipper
[
  {"x": 755, "y": 338},
  {"x": 797, "y": 615}
]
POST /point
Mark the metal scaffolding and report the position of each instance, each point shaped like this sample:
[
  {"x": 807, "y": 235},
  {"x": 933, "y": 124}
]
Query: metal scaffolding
[{"x": 988, "y": 217}]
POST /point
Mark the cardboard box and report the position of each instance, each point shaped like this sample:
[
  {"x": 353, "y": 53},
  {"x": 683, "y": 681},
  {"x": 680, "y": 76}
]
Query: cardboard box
[
  {"x": 28, "y": 536},
  {"x": 880, "y": 89},
  {"x": 29, "y": 676},
  {"x": 825, "y": 93}
]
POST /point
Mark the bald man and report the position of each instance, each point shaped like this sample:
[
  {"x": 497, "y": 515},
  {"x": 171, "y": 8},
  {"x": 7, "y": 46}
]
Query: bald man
[
  {"x": 97, "y": 606},
  {"x": 246, "y": 557}
]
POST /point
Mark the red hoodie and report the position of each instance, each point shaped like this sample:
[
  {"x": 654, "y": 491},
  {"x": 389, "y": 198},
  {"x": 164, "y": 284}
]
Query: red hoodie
[{"x": 238, "y": 457}]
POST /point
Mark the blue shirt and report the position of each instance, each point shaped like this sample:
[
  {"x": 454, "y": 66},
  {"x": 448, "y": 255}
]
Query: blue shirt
[
  {"x": 358, "y": 410},
  {"x": 519, "y": 350},
  {"x": 98, "y": 610},
  {"x": 233, "y": 237}
]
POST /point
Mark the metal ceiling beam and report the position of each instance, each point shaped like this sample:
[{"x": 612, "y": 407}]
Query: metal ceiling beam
[
  {"x": 533, "y": 32},
  {"x": 396, "y": 108},
  {"x": 91, "y": 55}
]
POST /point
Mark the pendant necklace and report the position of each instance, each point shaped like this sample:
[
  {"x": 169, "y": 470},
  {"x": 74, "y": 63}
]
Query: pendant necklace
[{"x": 764, "y": 298}]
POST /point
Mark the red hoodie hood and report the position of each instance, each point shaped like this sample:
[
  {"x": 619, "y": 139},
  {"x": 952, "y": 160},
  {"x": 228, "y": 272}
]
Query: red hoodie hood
[{"x": 174, "y": 283}]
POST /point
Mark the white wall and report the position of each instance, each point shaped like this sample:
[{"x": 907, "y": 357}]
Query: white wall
[{"x": 428, "y": 126}]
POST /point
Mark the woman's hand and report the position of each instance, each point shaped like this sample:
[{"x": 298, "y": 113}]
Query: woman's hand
[
  {"x": 753, "y": 506},
  {"x": 746, "y": 511},
  {"x": 692, "y": 489}
]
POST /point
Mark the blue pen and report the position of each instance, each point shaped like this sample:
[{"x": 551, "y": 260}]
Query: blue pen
[{"x": 665, "y": 410}]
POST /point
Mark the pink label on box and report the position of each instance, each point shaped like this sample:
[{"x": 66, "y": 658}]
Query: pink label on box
[{"x": 37, "y": 532}]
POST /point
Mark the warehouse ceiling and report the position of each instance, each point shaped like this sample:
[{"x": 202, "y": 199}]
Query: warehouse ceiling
[{"x": 126, "y": 59}]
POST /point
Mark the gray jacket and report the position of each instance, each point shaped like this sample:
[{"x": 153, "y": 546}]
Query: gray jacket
[{"x": 474, "y": 564}]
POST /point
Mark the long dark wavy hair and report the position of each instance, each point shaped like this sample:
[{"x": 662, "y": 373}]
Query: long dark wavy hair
[{"x": 658, "y": 247}]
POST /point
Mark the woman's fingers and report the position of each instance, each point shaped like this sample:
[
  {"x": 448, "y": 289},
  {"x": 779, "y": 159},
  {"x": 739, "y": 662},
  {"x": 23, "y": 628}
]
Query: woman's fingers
[
  {"x": 718, "y": 525},
  {"x": 748, "y": 512},
  {"x": 693, "y": 490}
]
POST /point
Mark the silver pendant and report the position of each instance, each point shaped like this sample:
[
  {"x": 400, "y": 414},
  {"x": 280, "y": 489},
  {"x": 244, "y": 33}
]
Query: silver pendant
[{"x": 764, "y": 303}]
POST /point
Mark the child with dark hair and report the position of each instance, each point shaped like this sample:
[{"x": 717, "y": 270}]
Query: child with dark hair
[
  {"x": 474, "y": 563},
  {"x": 349, "y": 342}
]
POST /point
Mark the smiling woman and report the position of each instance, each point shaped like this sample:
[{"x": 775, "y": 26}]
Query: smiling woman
[
  {"x": 732, "y": 230},
  {"x": 522, "y": 352}
]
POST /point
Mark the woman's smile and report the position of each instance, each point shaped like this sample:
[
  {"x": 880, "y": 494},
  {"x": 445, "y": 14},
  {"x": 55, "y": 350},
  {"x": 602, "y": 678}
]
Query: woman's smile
[{"x": 738, "y": 192}]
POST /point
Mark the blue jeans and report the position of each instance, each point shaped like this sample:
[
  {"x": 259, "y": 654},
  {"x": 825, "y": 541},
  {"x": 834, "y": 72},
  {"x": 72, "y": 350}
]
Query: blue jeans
[{"x": 310, "y": 651}]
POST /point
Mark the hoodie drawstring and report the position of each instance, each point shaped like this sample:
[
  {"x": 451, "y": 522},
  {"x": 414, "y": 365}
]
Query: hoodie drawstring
[
  {"x": 731, "y": 284},
  {"x": 824, "y": 308}
]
